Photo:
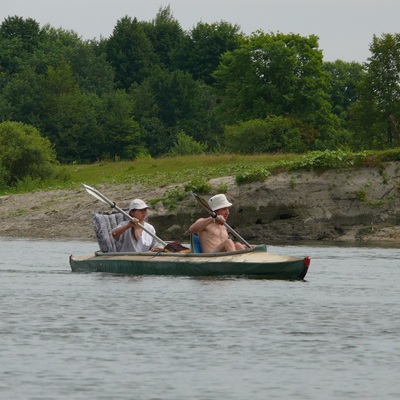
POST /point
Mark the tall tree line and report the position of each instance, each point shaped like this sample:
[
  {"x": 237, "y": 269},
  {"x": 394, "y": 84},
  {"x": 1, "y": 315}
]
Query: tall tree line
[{"x": 151, "y": 83}]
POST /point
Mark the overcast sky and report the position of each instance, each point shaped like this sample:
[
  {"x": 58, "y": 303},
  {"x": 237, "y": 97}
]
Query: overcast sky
[{"x": 345, "y": 27}]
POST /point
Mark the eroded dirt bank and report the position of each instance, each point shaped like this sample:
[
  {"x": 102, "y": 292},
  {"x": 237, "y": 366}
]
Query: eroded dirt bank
[{"x": 353, "y": 205}]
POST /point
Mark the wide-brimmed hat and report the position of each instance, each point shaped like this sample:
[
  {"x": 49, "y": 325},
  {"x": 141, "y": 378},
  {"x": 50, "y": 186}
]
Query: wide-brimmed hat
[
  {"x": 137, "y": 204},
  {"x": 218, "y": 201}
]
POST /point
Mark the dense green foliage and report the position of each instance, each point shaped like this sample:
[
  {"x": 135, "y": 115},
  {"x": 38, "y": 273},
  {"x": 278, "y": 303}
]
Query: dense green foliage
[
  {"x": 24, "y": 154},
  {"x": 152, "y": 89},
  {"x": 269, "y": 135},
  {"x": 186, "y": 145},
  {"x": 376, "y": 115}
]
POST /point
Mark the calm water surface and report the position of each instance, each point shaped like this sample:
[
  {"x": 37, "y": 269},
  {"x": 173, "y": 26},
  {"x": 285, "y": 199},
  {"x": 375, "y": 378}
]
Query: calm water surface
[{"x": 67, "y": 335}]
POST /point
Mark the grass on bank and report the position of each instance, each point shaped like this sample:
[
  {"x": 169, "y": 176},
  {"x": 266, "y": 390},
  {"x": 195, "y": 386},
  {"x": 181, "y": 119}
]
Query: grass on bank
[
  {"x": 196, "y": 170},
  {"x": 152, "y": 172}
]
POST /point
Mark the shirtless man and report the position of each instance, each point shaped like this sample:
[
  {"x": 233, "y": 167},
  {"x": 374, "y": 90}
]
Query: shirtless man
[{"x": 212, "y": 233}]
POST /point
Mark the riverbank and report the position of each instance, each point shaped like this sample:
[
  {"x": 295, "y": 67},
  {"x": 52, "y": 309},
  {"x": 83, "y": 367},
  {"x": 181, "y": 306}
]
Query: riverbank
[{"x": 348, "y": 206}]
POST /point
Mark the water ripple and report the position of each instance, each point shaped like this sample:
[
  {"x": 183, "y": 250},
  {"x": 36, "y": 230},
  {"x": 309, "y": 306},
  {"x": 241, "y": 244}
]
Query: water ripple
[{"x": 99, "y": 336}]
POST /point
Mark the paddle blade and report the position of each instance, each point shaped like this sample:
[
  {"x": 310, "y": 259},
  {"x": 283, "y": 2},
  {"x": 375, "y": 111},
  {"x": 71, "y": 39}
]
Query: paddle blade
[
  {"x": 204, "y": 204},
  {"x": 95, "y": 193}
]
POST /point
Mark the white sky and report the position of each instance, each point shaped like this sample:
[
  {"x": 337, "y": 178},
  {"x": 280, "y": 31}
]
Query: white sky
[{"x": 345, "y": 27}]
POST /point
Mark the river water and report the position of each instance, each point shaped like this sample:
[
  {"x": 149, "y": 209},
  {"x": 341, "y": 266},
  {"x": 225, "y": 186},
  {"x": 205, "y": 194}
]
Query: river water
[{"x": 67, "y": 335}]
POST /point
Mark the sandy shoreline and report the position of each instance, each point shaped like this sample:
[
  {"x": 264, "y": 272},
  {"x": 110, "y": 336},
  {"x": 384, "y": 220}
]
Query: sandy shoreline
[{"x": 352, "y": 206}]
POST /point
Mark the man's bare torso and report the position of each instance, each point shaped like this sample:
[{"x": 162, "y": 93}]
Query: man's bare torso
[{"x": 212, "y": 236}]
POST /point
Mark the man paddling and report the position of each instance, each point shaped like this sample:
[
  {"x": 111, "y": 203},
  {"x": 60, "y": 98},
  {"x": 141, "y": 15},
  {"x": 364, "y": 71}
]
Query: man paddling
[{"x": 212, "y": 232}]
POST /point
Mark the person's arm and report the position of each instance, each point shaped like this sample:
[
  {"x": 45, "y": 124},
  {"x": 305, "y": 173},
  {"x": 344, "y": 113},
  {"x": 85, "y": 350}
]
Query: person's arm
[
  {"x": 202, "y": 223},
  {"x": 120, "y": 229}
]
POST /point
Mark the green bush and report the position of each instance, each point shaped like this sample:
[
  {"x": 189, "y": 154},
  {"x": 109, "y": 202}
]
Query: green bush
[
  {"x": 324, "y": 160},
  {"x": 173, "y": 196},
  {"x": 391, "y": 154},
  {"x": 269, "y": 135},
  {"x": 361, "y": 195},
  {"x": 24, "y": 154},
  {"x": 186, "y": 145},
  {"x": 252, "y": 175},
  {"x": 198, "y": 185}
]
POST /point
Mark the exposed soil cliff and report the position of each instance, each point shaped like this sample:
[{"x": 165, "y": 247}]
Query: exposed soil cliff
[{"x": 350, "y": 205}]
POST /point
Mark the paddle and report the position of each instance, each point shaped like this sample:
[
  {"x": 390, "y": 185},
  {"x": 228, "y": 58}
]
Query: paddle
[
  {"x": 95, "y": 193},
  {"x": 213, "y": 214}
]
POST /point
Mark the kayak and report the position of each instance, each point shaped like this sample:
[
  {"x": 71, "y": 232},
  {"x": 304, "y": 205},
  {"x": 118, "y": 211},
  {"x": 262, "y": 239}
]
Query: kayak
[{"x": 254, "y": 262}]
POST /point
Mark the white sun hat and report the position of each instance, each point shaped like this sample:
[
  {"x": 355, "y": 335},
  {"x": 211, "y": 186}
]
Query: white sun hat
[
  {"x": 137, "y": 204},
  {"x": 218, "y": 201}
]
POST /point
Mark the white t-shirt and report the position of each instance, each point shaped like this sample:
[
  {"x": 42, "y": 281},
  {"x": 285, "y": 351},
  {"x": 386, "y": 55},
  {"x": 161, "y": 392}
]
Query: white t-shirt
[{"x": 144, "y": 243}]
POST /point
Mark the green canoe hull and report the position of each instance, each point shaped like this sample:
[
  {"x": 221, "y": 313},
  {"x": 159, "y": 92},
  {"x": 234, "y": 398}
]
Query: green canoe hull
[{"x": 254, "y": 262}]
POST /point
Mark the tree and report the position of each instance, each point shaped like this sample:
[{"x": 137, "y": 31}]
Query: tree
[
  {"x": 130, "y": 52},
  {"x": 269, "y": 135},
  {"x": 377, "y": 114},
  {"x": 166, "y": 36},
  {"x": 92, "y": 71},
  {"x": 69, "y": 117},
  {"x": 18, "y": 39},
  {"x": 344, "y": 78},
  {"x": 25, "y": 30},
  {"x": 178, "y": 101},
  {"x": 121, "y": 132},
  {"x": 21, "y": 96},
  {"x": 277, "y": 74},
  {"x": 24, "y": 153},
  {"x": 55, "y": 46},
  {"x": 157, "y": 138},
  {"x": 201, "y": 52}
]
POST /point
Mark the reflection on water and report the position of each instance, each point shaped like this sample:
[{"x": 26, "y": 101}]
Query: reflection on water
[{"x": 78, "y": 336}]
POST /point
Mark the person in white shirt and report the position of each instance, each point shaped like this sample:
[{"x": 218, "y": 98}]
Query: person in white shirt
[{"x": 134, "y": 238}]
